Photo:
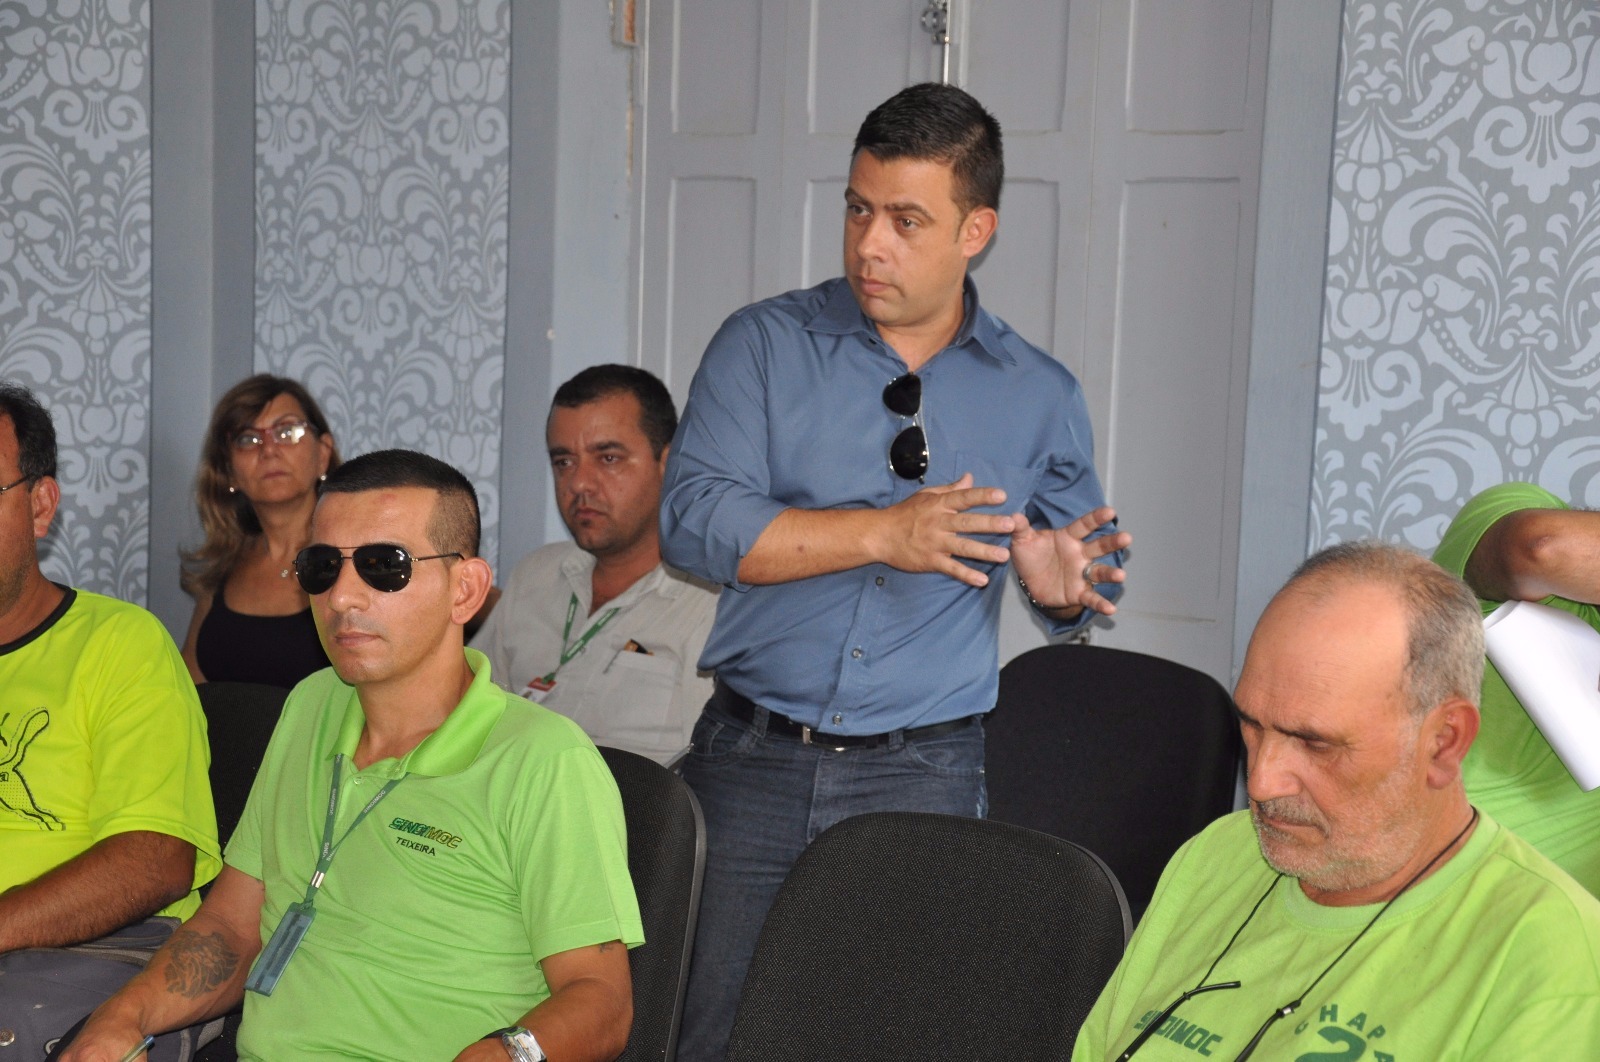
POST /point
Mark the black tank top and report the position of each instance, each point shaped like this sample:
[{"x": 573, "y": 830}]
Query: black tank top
[{"x": 272, "y": 650}]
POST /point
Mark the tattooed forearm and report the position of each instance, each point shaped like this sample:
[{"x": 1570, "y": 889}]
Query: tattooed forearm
[{"x": 197, "y": 965}]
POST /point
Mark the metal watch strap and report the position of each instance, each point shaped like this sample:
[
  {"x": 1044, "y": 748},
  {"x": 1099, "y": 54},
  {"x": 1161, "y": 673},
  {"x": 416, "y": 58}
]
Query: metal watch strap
[{"x": 521, "y": 1044}]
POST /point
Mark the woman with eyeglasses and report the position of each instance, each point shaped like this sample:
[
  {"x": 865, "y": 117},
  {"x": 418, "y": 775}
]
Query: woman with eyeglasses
[{"x": 265, "y": 452}]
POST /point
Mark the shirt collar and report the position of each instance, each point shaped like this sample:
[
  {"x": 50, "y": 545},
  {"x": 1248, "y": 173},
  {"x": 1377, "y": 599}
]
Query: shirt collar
[
  {"x": 841, "y": 315},
  {"x": 578, "y": 568},
  {"x": 449, "y": 749}
]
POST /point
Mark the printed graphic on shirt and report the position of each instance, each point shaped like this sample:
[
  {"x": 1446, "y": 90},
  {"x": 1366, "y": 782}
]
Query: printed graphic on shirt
[
  {"x": 15, "y": 796},
  {"x": 1330, "y": 1039},
  {"x": 1341, "y": 1040},
  {"x": 1196, "y": 1038},
  {"x": 421, "y": 837}
]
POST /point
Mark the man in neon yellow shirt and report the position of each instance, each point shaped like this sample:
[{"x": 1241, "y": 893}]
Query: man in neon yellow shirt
[
  {"x": 106, "y": 824},
  {"x": 428, "y": 866},
  {"x": 1519, "y": 542},
  {"x": 1361, "y": 908}
]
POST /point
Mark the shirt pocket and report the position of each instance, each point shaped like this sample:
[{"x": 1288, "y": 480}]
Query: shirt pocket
[
  {"x": 1018, "y": 481},
  {"x": 638, "y": 690}
]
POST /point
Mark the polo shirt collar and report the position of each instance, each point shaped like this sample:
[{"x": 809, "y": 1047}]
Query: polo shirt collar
[
  {"x": 449, "y": 749},
  {"x": 841, "y": 315}
]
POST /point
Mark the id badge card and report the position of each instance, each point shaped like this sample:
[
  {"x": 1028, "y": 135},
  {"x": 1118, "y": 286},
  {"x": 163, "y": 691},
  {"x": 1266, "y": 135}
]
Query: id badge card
[{"x": 280, "y": 949}]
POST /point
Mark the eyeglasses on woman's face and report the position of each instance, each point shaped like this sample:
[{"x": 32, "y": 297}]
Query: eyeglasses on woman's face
[{"x": 284, "y": 433}]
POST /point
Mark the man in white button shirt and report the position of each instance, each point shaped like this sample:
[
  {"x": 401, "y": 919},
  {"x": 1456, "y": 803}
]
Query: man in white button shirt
[{"x": 598, "y": 628}]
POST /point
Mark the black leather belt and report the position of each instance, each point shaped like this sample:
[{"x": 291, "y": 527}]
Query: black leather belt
[{"x": 742, "y": 708}]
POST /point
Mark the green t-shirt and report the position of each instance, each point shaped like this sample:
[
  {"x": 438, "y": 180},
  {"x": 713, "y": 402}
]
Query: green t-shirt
[
  {"x": 1512, "y": 772},
  {"x": 1496, "y": 955},
  {"x": 504, "y": 844},
  {"x": 100, "y": 733}
]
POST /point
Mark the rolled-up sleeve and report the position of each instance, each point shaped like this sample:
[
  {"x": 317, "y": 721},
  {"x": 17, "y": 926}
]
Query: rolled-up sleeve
[
  {"x": 1070, "y": 487},
  {"x": 714, "y": 499}
]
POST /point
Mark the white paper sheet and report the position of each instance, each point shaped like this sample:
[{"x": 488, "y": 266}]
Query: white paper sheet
[{"x": 1551, "y": 661}]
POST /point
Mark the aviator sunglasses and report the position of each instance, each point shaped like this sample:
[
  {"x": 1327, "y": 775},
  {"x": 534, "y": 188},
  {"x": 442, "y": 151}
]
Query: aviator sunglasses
[
  {"x": 381, "y": 566},
  {"x": 908, "y": 453}
]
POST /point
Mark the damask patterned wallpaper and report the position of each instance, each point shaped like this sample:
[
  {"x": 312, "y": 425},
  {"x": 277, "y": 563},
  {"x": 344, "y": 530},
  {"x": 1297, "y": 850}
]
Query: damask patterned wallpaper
[
  {"x": 75, "y": 267},
  {"x": 1461, "y": 332},
  {"x": 381, "y": 192}
]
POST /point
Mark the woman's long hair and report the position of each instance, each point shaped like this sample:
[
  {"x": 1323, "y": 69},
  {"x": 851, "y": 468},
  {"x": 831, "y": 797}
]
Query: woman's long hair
[{"x": 228, "y": 519}]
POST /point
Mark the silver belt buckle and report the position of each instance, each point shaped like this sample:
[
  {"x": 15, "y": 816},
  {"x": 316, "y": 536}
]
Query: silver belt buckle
[{"x": 806, "y": 735}]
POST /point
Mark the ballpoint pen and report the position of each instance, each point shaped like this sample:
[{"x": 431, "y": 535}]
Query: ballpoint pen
[{"x": 138, "y": 1049}]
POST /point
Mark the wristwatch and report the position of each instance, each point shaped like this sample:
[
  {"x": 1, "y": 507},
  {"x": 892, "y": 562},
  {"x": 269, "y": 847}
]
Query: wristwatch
[{"x": 519, "y": 1043}]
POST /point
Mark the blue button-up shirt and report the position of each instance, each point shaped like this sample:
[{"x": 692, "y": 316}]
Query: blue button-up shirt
[{"x": 786, "y": 411}]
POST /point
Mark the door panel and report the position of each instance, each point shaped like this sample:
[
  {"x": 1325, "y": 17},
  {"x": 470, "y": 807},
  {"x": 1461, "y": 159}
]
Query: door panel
[
  {"x": 713, "y": 237},
  {"x": 1171, "y": 255},
  {"x": 1170, "y": 491},
  {"x": 716, "y": 44}
]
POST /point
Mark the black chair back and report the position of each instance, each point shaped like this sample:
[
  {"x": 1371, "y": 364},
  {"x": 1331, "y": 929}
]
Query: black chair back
[
  {"x": 908, "y": 935},
  {"x": 239, "y": 721},
  {"x": 240, "y": 717},
  {"x": 1126, "y": 754},
  {"x": 666, "y": 858}
]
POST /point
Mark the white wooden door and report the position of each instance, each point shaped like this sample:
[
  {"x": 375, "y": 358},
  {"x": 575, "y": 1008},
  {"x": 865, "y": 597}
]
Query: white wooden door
[
  {"x": 1167, "y": 324},
  {"x": 1124, "y": 247}
]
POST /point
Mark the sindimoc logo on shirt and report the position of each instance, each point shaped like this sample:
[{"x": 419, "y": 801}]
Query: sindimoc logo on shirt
[{"x": 421, "y": 837}]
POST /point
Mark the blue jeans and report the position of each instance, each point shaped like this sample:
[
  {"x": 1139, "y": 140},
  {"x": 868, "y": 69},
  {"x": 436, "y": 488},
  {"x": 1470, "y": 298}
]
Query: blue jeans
[{"x": 765, "y": 797}]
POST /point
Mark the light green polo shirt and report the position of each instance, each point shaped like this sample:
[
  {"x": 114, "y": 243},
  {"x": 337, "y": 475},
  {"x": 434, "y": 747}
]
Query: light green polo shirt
[
  {"x": 504, "y": 844},
  {"x": 1512, "y": 772}
]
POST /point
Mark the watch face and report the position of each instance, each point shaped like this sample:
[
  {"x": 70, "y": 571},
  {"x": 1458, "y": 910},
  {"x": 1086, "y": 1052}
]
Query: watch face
[{"x": 522, "y": 1045}]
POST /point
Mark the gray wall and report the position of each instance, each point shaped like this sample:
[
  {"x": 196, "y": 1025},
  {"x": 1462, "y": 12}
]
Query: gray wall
[
  {"x": 1460, "y": 338},
  {"x": 75, "y": 271},
  {"x": 142, "y": 261},
  {"x": 382, "y": 143}
]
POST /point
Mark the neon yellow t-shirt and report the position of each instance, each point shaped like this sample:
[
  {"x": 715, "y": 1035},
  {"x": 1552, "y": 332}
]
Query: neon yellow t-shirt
[
  {"x": 1496, "y": 955},
  {"x": 101, "y": 733},
  {"x": 503, "y": 844},
  {"x": 1512, "y": 772}
]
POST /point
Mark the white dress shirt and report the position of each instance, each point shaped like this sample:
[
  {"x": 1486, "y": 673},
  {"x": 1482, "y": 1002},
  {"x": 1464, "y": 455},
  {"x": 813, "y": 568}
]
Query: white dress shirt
[{"x": 634, "y": 685}]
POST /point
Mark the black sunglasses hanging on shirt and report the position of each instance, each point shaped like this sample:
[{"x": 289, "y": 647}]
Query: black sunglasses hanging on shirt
[{"x": 908, "y": 453}]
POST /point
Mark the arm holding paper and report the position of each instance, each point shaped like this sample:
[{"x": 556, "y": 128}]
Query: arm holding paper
[
  {"x": 1519, "y": 543},
  {"x": 1533, "y": 554}
]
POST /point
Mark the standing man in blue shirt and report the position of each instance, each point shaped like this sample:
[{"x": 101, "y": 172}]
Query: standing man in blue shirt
[{"x": 859, "y": 463}]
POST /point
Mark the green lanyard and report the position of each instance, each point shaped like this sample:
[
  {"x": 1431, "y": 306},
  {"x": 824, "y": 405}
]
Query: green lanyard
[
  {"x": 329, "y": 846},
  {"x": 567, "y": 653},
  {"x": 297, "y": 917}
]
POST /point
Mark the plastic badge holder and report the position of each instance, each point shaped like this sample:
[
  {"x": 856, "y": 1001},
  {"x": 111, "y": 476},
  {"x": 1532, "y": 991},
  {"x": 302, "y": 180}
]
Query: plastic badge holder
[{"x": 280, "y": 949}]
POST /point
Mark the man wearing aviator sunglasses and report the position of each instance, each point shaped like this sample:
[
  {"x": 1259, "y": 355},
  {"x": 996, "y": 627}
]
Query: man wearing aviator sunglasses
[
  {"x": 418, "y": 841},
  {"x": 861, "y": 464},
  {"x": 1361, "y": 908}
]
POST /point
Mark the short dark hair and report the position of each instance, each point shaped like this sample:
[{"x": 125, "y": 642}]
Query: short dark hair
[
  {"x": 454, "y": 526},
  {"x": 658, "y": 417},
  {"x": 940, "y": 123},
  {"x": 36, "y": 432}
]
